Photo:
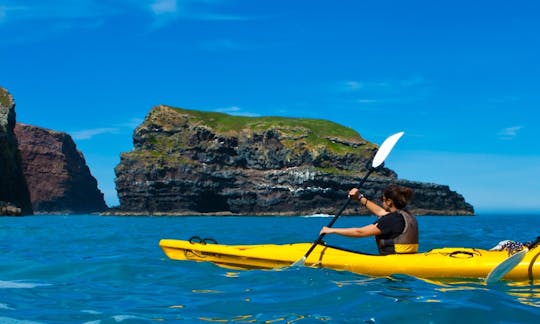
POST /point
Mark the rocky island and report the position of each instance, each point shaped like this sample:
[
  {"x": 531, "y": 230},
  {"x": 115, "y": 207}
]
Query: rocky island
[{"x": 189, "y": 162}]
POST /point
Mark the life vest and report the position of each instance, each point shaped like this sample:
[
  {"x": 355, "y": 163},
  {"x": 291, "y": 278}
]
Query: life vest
[{"x": 406, "y": 242}]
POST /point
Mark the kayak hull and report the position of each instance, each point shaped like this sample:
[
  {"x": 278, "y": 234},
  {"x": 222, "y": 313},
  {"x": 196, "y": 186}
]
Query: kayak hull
[{"x": 437, "y": 263}]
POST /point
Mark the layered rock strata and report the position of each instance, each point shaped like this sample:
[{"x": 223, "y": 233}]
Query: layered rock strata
[
  {"x": 193, "y": 162},
  {"x": 59, "y": 181}
]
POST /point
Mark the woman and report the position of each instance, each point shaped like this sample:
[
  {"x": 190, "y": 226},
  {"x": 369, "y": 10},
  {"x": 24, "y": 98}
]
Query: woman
[{"x": 395, "y": 230}]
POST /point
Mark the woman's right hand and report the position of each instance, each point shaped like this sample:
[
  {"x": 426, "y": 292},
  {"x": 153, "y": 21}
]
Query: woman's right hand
[{"x": 355, "y": 194}]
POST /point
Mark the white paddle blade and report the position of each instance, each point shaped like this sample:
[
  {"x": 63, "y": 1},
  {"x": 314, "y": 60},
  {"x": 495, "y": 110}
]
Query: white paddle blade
[
  {"x": 504, "y": 267},
  {"x": 299, "y": 263},
  {"x": 385, "y": 149}
]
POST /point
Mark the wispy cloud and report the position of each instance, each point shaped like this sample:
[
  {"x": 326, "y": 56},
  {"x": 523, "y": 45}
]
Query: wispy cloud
[
  {"x": 237, "y": 111},
  {"x": 87, "y": 134},
  {"x": 73, "y": 13},
  {"x": 167, "y": 11},
  {"x": 40, "y": 20},
  {"x": 353, "y": 86},
  {"x": 63, "y": 10},
  {"x": 509, "y": 133},
  {"x": 386, "y": 91},
  {"x": 132, "y": 123},
  {"x": 384, "y": 85}
]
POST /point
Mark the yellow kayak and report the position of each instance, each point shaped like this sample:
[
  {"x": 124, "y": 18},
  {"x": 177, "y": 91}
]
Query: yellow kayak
[{"x": 448, "y": 262}]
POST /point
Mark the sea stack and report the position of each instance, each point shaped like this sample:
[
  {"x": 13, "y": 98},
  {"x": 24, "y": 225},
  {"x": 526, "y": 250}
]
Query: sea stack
[
  {"x": 59, "y": 181},
  {"x": 194, "y": 162}
]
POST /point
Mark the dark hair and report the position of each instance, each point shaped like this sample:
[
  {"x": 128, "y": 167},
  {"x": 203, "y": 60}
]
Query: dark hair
[{"x": 399, "y": 195}]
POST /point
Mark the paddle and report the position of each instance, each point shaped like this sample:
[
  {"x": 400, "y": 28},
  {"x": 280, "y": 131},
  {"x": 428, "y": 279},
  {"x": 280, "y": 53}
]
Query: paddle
[
  {"x": 508, "y": 264},
  {"x": 380, "y": 156}
]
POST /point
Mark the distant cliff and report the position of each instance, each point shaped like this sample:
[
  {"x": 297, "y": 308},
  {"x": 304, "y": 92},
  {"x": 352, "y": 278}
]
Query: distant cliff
[
  {"x": 14, "y": 196},
  {"x": 58, "y": 178},
  {"x": 193, "y": 162}
]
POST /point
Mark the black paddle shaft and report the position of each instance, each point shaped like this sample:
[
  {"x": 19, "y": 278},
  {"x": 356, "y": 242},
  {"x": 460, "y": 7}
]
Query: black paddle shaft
[{"x": 334, "y": 219}]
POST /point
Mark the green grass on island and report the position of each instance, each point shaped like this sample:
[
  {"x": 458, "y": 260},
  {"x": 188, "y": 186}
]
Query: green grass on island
[{"x": 315, "y": 133}]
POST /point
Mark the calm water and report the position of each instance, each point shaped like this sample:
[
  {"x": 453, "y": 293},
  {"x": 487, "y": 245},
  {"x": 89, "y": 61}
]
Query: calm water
[{"x": 104, "y": 269}]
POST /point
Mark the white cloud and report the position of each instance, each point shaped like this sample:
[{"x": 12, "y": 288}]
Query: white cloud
[
  {"x": 353, "y": 85},
  {"x": 509, "y": 133},
  {"x": 134, "y": 122},
  {"x": 384, "y": 92},
  {"x": 384, "y": 85},
  {"x": 87, "y": 134},
  {"x": 237, "y": 111},
  {"x": 68, "y": 12}
]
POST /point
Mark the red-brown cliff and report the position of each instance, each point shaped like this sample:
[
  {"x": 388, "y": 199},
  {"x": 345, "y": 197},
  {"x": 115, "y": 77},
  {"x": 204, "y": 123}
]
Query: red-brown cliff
[{"x": 58, "y": 178}]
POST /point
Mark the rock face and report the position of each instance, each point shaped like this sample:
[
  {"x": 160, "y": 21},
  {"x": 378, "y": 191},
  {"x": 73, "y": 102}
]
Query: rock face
[
  {"x": 193, "y": 162},
  {"x": 56, "y": 173},
  {"x": 13, "y": 190}
]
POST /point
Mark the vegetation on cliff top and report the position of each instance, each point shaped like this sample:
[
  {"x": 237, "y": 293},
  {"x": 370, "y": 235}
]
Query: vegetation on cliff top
[
  {"x": 313, "y": 132},
  {"x": 5, "y": 98},
  {"x": 225, "y": 123}
]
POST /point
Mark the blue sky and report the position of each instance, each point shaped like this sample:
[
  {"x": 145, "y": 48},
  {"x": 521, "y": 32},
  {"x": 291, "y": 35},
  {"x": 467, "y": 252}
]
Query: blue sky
[{"x": 459, "y": 77}]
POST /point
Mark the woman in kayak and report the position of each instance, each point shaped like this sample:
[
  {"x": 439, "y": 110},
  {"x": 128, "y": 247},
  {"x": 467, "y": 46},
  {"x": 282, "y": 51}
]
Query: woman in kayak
[{"x": 395, "y": 229}]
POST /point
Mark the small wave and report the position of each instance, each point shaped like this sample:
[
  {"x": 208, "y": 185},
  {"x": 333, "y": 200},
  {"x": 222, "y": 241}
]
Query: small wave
[
  {"x": 9, "y": 320},
  {"x": 121, "y": 318},
  {"x": 20, "y": 285},
  {"x": 4, "y": 306},
  {"x": 318, "y": 216}
]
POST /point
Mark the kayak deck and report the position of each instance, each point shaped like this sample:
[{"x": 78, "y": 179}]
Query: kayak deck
[{"x": 456, "y": 262}]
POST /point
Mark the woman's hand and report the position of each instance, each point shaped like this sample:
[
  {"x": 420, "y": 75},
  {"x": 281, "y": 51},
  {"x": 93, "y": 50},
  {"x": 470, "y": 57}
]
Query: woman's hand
[
  {"x": 326, "y": 230},
  {"x": 355, "y": 194}
]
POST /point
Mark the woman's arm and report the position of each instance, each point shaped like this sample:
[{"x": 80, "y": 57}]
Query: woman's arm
[
  {"x": 368, "y": 230},
  {"x": 373, "y": 207}
]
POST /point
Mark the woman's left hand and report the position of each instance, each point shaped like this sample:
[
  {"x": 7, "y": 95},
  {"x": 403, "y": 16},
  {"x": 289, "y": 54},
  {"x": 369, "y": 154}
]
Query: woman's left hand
[{"x": 326, "y": 230}]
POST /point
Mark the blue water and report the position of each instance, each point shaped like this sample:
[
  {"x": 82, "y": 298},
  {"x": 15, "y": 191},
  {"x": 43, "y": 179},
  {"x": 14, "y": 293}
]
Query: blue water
[{"x": 105, "y": 269}]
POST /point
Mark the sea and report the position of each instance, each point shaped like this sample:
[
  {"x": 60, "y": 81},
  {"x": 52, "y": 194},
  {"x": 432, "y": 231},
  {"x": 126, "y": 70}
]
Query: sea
[{"x": 110, "y": 269}]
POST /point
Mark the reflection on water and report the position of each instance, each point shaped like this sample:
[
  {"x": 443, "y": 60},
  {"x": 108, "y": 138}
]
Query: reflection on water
[
  {"x": 527, "y": 294},
  {"x": 402, "y": 288},
  {"x": 254, "y": 319}
]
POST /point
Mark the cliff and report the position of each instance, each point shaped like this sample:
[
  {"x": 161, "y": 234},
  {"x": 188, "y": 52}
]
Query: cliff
[
  {"x": 14, "y": 195},
  {"x": 58, "y": 178},
  {"x": 193, "y": 162}
]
